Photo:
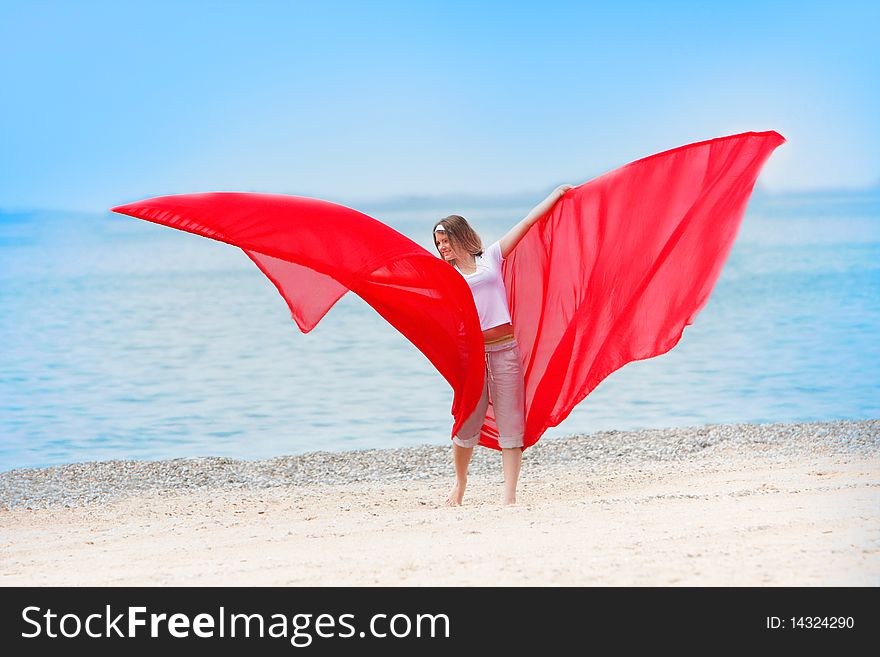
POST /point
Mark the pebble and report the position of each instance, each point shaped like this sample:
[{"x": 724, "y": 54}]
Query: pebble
[{"x": 100, "y": 482}]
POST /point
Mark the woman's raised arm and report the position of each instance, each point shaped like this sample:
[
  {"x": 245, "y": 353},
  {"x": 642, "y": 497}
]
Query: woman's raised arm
[{"x": 515, "y": 234}]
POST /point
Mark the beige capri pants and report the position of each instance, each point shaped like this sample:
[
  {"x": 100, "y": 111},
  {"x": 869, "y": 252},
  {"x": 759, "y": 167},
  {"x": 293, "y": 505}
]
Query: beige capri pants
[{"x": 505, "y": 385}]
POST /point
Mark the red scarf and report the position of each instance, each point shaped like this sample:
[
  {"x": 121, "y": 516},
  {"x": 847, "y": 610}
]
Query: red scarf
[{"x": 613, "y": 273}]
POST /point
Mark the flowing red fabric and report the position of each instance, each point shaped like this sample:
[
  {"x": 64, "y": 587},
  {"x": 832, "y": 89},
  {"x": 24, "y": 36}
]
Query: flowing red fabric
[
  {"x": 612, "y": 274},
  {"x": 315, "y": 251},
  {"x": 621, "y": 265}
]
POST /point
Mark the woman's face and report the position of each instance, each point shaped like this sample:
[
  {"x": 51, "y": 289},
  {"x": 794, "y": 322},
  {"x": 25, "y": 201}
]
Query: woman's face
[{"x": 447, "y": 250}]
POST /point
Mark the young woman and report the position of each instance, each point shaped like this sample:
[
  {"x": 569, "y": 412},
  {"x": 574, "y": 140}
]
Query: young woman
[{"x": 460, "y": 245}]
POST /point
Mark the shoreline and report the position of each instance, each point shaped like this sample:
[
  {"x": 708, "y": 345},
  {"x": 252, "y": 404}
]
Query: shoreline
[
  {"x": 731, "y": 505},
  {"x": 98, "y": 482}
]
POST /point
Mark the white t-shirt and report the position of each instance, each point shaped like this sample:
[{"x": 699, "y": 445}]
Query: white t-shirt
[{"x": 487, "y": 286}]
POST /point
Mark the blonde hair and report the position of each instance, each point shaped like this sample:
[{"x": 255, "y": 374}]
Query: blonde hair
[{"x": 460, "y": 235}]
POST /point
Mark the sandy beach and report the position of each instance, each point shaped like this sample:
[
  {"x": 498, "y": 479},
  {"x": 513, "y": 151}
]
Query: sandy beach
[{"x": 729, "y": 505}]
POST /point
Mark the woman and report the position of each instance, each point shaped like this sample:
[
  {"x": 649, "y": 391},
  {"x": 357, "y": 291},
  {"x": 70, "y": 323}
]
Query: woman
[{"x": 461, "y": 247}]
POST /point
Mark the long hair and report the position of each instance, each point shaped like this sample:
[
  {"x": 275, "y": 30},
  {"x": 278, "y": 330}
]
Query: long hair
[{"x": 460, "y": 235}]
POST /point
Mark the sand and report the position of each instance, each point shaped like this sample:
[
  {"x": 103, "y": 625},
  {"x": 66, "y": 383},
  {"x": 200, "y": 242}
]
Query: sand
[{"x": 727, "y": 516}]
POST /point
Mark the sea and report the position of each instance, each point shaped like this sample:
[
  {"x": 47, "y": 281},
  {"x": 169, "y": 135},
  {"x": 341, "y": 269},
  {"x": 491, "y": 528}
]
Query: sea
[{"x": 123, "y": 339}]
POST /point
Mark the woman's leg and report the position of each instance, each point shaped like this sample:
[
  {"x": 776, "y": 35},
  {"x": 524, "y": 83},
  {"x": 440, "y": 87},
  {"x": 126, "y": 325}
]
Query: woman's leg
[
  {"x": 463, "y": 449},
  {"x": 511, "y": 462},
  {"x": 462, "y": 457},
  {"x": 507, "y": 391}
]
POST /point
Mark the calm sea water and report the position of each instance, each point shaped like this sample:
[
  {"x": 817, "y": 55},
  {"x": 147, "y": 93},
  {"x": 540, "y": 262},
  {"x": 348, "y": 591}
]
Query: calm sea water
[{"x": 124, "y": 339}]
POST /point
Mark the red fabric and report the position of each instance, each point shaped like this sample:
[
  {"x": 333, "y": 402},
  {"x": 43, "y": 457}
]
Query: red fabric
[
  {"x": 621, "y": 265},
  {"x": 315, "y": 251},
  {"x": 612, "y": 274}
]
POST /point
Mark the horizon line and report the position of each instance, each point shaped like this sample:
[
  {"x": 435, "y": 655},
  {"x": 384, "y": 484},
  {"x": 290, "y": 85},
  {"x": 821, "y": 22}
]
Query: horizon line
[{"x": 414, "y": 201}]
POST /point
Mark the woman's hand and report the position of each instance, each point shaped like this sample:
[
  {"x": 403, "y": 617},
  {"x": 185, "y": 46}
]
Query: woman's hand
[
  {"x": 516, "y": 233},
  {"x": 559, "y": 191}
]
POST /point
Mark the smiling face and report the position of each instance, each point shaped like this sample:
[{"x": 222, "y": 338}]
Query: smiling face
[
  {"x": 456, "y": 241},
  {"x": 445, "y": 247}
]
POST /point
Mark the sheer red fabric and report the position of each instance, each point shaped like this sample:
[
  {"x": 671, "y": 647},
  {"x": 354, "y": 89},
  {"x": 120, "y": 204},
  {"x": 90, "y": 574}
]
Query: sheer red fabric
[
  {"x": 621, "y": 265},
  {"x": 612, "y": 274},
  {"x": 315, "y": 251}
]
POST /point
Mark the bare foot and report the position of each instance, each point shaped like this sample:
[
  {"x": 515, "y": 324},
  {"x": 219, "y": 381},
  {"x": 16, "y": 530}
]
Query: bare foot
[
  {"x": 457, "y": 494},
  {"x": 508, "y": 500}
]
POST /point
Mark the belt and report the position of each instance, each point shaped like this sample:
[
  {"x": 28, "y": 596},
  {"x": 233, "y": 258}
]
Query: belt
[{"x": 506, "y": 338}]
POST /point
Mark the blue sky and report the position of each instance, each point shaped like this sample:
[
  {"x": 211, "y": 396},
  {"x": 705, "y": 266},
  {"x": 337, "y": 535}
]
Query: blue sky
[{"x": 108, "y": 102}]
